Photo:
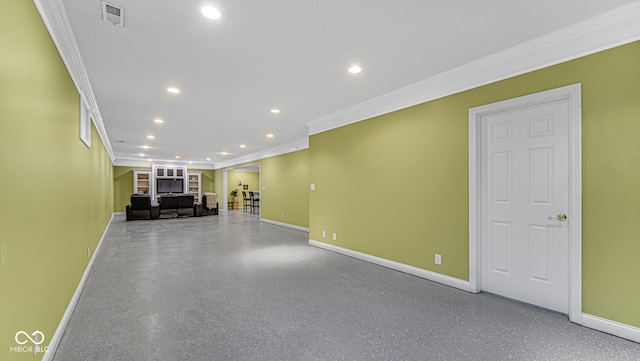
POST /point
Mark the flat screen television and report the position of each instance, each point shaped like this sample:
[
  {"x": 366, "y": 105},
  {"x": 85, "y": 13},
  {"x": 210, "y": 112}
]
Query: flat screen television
[{"x": 170, "y": 186}]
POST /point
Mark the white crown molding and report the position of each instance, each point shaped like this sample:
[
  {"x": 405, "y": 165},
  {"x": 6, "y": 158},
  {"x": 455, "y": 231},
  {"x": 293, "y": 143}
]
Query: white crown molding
[
  {"x": 285, "y": 148},
  {"x": 290, "y": 147},
  {"x": 55, "y": 19},
  {"x": 120, "y": 162},
  {"x": 247, "y": 169},
  {"x": 418, "y": 272},
  {"x": 608, "y": 30}
]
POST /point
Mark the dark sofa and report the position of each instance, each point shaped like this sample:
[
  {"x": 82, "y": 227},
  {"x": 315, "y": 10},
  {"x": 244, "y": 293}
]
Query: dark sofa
[
  {"x": 141, "y": 208},
  {"x": 176, "y": 205}
]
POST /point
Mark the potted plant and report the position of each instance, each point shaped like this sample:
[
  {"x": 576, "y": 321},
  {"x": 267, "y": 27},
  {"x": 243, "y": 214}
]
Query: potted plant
[{"x": 234, "y": 194}]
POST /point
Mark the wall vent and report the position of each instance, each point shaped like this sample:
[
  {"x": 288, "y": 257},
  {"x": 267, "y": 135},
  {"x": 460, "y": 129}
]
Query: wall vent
[{"x": 112, "y": 14}]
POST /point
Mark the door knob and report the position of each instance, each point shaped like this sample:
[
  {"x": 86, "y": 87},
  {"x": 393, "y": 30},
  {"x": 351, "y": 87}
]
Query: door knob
[{"x": 559, "y": 217}]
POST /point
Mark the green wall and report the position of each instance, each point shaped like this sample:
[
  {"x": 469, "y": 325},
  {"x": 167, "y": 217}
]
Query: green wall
[
  {"x": 286, "y": 178},
  {"x": 59, "y": 192},
  {"x": 395, "y": 187},
  {"x": 207, "y": 179},
  {"x": 218, "y": 182},
  {"x": 252, "y": 179},
  {"x": 123, "y": 184},
  {"x": 429, "y": 213}
]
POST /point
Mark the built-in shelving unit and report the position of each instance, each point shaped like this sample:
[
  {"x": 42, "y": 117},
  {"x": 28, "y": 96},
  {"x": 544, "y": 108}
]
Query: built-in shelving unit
[
  {"x": 168, "y": 178},
  {"x": 162, "y": 171},
  {"x": 141, "y": 182},
  {"x": 194, "y": 184}
]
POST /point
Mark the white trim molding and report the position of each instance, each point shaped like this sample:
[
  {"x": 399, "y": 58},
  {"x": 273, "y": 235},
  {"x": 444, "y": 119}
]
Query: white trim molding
[
  {"x": 55, "y": 19},
  {"x": 571, "y": 94},
  {"x": 611, "y": 327},
  {"x": 415, "y": 271},
  {"x": 286, "y": 225},
  {"x": 85, "y": 123},
  {"x": 130, "y": 162},
  {"x": 225, "y": 182},
  {"x": 290, "y": 147},
  {"x": 607, "y": 30},
  {"x": 57, "y": 336}
]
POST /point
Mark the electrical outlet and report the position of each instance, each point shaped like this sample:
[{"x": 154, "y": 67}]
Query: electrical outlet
[
  {"x": 313, "y": 187},
  {"x": 438, "y": 259},
  {"x": 282, "y": 215},
  {"x": 334, "y": 236},
  {"x": 324, "y": 234},
  {"x": 88, "y": 252}
]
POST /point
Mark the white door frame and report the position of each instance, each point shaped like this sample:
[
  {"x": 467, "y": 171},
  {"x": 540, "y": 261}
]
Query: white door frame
[
  {"x": 225, "y": 183},
  {"x": 572, "y": 94}
]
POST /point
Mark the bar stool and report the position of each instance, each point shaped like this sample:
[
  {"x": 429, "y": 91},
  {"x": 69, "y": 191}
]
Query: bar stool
[
  {"x": 255, "y": 200},
  {"x": 246, "y": 201}
]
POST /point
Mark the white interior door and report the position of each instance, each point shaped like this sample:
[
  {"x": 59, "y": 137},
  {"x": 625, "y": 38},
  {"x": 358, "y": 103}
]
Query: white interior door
[{"x": 524, "y": 180}]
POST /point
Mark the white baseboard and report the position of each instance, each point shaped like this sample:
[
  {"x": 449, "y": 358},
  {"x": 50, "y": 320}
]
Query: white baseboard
[
  {"x": 597, "y": 323},
  {"x": 419, "y": 272},
  {"x": 57, "y": 336},
  {"x": 287, "y": 225},
  {"x": 119, "y": 213},
  {"x": 611, "y": 327}
]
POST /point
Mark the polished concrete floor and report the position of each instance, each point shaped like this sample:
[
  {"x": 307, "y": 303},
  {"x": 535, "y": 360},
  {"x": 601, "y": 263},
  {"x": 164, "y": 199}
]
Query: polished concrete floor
[{"x": 230, "y": 287}]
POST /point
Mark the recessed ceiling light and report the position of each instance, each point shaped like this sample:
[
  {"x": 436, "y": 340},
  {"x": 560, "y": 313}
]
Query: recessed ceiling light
[
  {"x": 211, "y": 12},
  {"x": 150, "y": 137},
  {"x": 355, "y": 69},
  {"x": 190, "y": 162},
  {"x": 173, "y": 90},
  {"x": 208, "y": 158},
  {"x": 145, "y": 147},
  {"x": 141, "y": 154},
  {"x": 275, "y": 111},
  {"x": 224, "y": 153},
  {"x": 159, "y": 121},
  {"x": 242, "y": 146},
  {"x": 269, "y": 135},
  {"x": 177, "y": 157}
]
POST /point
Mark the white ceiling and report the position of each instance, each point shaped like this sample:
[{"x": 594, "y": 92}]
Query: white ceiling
[{"x": 287, "y": 54}]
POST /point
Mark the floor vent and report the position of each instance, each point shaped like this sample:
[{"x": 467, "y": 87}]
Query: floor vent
[{"x": 112, "y": 14}]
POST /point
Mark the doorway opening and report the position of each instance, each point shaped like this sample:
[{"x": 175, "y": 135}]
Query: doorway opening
[{"x": 243, "y": 179}]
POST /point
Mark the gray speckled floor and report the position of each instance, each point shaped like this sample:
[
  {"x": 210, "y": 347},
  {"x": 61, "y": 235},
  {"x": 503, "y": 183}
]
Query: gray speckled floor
[{"x": 230, "y": 287}]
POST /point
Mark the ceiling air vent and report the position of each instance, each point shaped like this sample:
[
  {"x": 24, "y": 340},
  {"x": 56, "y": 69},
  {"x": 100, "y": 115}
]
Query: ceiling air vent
[{"x": 112, "y": 14}]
